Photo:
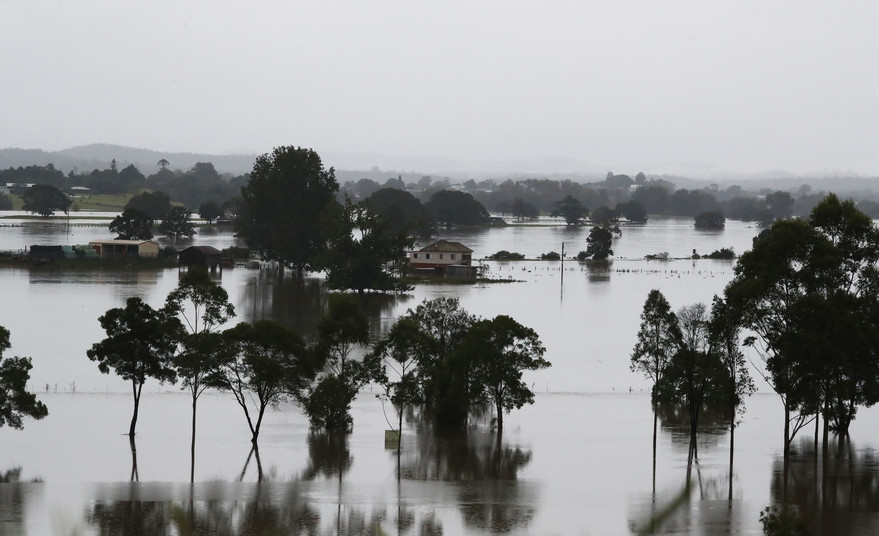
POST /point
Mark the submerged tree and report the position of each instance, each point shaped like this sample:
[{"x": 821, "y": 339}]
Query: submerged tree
[
  {"x": 132, "y": 224},
  {"x": 204, "y": 306},
  {"x": 45, "y": 199},
  {"x": 659, "y": 337},
  {"x": 177, "y": 223},
  {"x": 343, "y": 330},
  {"x": 140, "y": 344},
  {"x": 265, "y": 364},
  {"x": 282, "y": 204},
  {"x": 571, "y": 209},
  {"x": 598, "y": 243},
  {"x": 15, "y": 400},
  {"x": 497, "y": 352}
]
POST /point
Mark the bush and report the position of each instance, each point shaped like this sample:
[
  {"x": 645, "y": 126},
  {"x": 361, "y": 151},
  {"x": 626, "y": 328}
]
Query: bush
[
  {"x": 582, "y": 256},
  {"x": 710, "y": 220},
  {"x": 504, "y": 255},
  {"x": 168, "y": 252},
  {"x": 551, "y": 256},
  {"x": 722, "y": 254},
  {"x": 782, "y": 520},
  {"x": 661, "y": 256}
]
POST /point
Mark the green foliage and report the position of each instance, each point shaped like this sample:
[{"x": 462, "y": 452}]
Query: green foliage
[
  {"x": 5, "y": 202},
  {"x": 632, "y": 211},
  {"x": 237, "y": 252},
  {"x": 280, "y": 216},
  {"x": 496, "y": 352},
  {"x": 342, "y": 331},
  {"x": 571, "y": 209},
  {"x": 457, "y": 208},
  {"x": 710, "y": 220},
  {"x": 784, "y": 520},
  {"x": 504, "y": 255},
  {"x": 722, "y": 254},
  {"x": 15, "y": 401},
  {"x": 523, "y": 210},
  {"x": 551, "y": 256},
  {"x": 140, "y": 344},
  {"x": 604, "y": 216},
  {"x": 177, "y": 223},
  {"x": 210, "y": 211},
  {"x": 45, "y": 199},
  {"x": 132, "y": 224},
  {"x": 361, "y": 263},
  {"x": 659, "y": 337},
  {"x": 154, "y": 204},
  {"x": 598, "y": 243},
  {"x": 401, "y": 212},
  {"x": 264, "y": 364}
]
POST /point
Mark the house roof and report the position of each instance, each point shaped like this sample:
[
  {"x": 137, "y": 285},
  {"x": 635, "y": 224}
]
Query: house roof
[
  {"x": 446, "y": 245},
  {"x": 207, "y": 250},
  {"x": 122, "y": 242}
]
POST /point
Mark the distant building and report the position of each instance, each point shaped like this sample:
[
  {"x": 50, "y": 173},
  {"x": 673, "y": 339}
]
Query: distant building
[
  {"x": 206, "y": 256},
  {"x": 440, "y": 255},
  {"x": 125, "y": 248}
]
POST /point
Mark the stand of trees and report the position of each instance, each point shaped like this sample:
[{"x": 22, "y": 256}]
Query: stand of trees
[{"x": 16, "y": 402}]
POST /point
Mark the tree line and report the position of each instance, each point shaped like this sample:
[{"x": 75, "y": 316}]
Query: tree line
[{"x": 807, "y": 298}]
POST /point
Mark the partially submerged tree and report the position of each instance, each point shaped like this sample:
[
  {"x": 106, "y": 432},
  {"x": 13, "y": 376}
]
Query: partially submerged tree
[
  {"x": 15, "y": 400},
  {"x": 132, "y": 224},
  {"x": 140, "y": 344},
  {"x": 659, "y": 337},
  {"x": 497, "y": 352},
  {"x": 204, "y": 306},
  {"x": 177, "y": 223},
  {"x": 265, "y": 364},
  {"x": 599, "y": 243},
  {"x": 282, "y": 204},
  {"x": 343, "y": 331},
  {"x": 571, "y": 209},
  {"x": 45, "y": 199}
]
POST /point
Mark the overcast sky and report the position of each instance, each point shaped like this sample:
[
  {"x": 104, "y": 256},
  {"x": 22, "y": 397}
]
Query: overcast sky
[{"x": 742, "y": 86}]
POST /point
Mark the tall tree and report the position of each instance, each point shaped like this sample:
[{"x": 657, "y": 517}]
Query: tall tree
[
  {"x": 282, "y": 205},
  {"x": 571, "y": 209},
  {"x": 362, "y": 246},
  {"x": 498, "y": 351},
  {"x": 599, "y": 243},
  {"x": 266, "y": 363},
  {"x": 177, "y": 223},
  {"x": 210, "y": 211},
  {"x": 342, "y": 333},
  {"x": 725, "y": 340},
  {"x": 15, "y": 400},
  {"x": 45, "y": 199},
  {"x": 154, "y": 204},
  {"x": 204, "y": 306},
  {"x": 132, "y": 224},
  {"x": 658, "y": 339},
  {"x": 451, "y": 207},
  {"x": 140, "y": 344}
]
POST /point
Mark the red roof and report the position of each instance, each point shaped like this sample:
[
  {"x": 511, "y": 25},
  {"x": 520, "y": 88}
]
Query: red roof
[{"x": 446, "y": 245}]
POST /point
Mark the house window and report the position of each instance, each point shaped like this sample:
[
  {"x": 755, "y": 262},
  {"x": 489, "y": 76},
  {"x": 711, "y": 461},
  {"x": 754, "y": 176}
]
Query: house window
[
  {"x": 453, "y": 256},
  {"x": 427, "y": 255},
  {"x": 441, "y": 256},
  {"x": 415, "y": 255}
]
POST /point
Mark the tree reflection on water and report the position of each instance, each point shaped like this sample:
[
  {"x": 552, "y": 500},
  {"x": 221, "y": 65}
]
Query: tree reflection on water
[
  {"x": 837, "y": 488},
  {"x": 484, "y": 468}
]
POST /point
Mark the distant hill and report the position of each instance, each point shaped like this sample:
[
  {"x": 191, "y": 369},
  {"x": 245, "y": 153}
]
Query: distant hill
[{"x": 98, "y": 156}]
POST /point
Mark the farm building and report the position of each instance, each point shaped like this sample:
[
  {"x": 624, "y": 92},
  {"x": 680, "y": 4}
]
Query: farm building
[{"x": 125, "y": 248}]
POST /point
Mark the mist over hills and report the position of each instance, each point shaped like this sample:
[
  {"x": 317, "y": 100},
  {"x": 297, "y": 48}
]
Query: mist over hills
[{"x": 355, "y": 166}]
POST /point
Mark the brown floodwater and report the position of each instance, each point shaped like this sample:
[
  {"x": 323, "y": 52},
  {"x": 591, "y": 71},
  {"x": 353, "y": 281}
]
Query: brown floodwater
[{"x": 579, "y": 461}]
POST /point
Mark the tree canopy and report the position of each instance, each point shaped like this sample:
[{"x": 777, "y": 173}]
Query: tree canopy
[
  {"x": 571, "y": 209},
  {"x": 599, "y": 243},
  {"x": 45, "y": 199},
  {"x": 282, "y": 206},
  {"x": 452, "y": 207},
  {"x": 15, "y": 400},
  {"x": 132, "y": 224}
]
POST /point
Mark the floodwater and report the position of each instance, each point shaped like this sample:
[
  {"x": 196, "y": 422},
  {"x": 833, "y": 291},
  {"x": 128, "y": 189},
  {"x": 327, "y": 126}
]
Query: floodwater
[{"x": 576, "y": 462}]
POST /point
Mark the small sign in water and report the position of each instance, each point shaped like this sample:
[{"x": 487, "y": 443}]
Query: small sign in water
[{"x": 392, "y": 439}]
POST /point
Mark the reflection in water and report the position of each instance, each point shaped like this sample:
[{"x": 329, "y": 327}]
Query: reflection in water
[
  {"x": 12, "y": 502},
  {"x": 490, "y": 495},
  {"x": 675, "y": 421},
  {"x": 837, "y": 489},
  {"x": 328, "y": 455},
  {"x": 300, "y": 303}
]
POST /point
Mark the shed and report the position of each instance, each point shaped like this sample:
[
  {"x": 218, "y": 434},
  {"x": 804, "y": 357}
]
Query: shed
[
  {"x": 125, "y": 248},
  {"x": 207, "y": 256}
]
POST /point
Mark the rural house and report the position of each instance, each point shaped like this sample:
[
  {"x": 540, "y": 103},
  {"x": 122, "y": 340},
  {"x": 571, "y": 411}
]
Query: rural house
[{"x": 440, "y": 256}]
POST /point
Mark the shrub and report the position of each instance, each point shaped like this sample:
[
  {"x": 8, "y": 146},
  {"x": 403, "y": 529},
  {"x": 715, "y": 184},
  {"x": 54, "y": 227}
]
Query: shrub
[
  {"x": 722, "y": 254},
  {"x": 504, "y": 255},
  {"x": 551, "y": 256}
]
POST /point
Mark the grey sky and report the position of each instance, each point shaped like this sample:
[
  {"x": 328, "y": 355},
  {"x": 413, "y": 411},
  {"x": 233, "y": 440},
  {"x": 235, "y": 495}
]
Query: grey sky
[{"x": 625, "y": 85}]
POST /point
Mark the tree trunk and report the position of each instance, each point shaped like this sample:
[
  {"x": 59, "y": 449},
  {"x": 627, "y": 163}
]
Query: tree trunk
[
  {"x": 192, "y": 446},
  {"x": 655, "y": 421},
  {"x": 135, "y": 389},
  {"x": 786, "y": 455},
  {"x": 732, "y": 444},
  {"x": 135, "y": 477},
  {"x": 500, "y": 418}
]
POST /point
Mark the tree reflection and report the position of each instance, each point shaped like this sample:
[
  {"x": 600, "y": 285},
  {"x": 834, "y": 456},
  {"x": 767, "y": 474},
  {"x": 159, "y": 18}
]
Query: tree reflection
[
  {"x": 837, "y": 488},
  {"x": 713, "y": 425},
  {"x": 12, "y": 502},
  {"x": 490, "y": 495},
  {"x": 328, "y": 455}
]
